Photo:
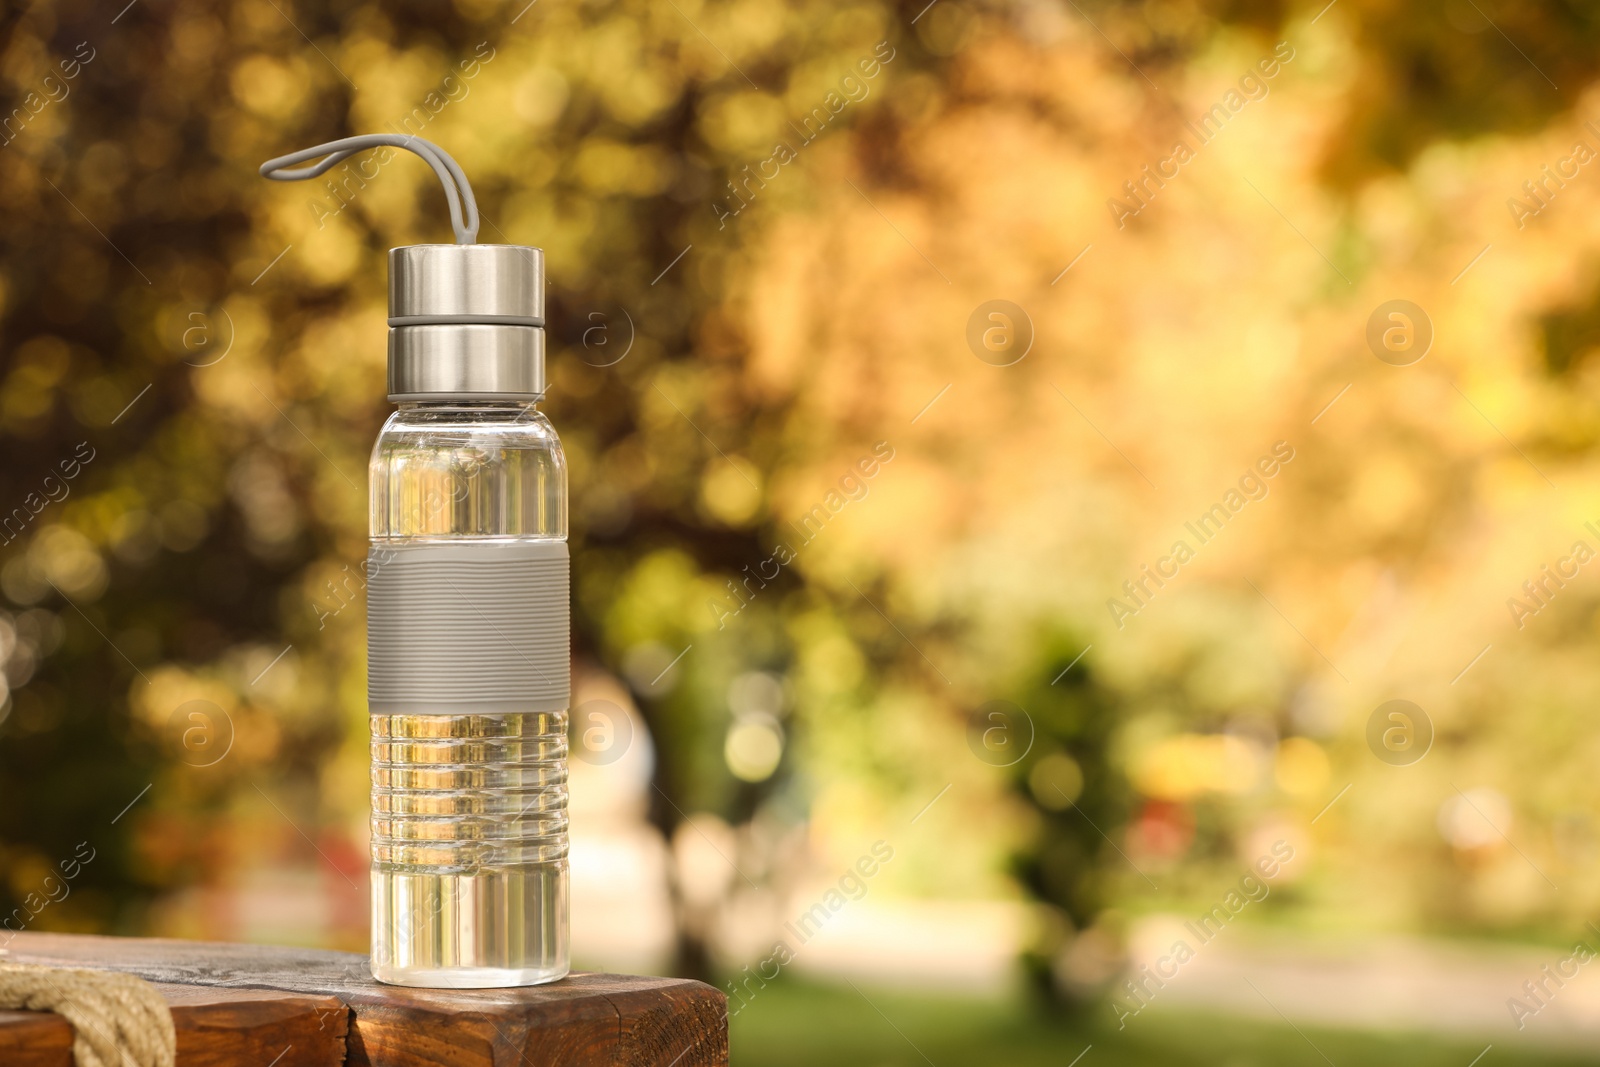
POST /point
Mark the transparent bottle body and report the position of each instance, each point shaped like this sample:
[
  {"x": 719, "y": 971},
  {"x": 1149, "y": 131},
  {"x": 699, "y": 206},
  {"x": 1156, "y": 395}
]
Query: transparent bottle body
[{"x": 469, "y": 811}]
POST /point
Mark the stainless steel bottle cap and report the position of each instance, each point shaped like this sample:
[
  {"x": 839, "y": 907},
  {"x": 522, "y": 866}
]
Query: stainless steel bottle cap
[
  {"x": 430, "y": 284},
  {"x": 466, "y": 362},
  {"x": 466, "y": 323}
]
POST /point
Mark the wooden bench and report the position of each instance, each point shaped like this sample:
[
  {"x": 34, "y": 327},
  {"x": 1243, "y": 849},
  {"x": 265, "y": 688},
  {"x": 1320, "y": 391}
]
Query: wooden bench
[{"x": 260, "y": 1006}]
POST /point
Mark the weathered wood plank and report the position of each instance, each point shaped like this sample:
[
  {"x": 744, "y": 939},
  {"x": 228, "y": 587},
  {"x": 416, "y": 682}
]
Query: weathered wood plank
[
  {"x": 215, "y": 1028},
  {"x": 587, "y": 1020}
]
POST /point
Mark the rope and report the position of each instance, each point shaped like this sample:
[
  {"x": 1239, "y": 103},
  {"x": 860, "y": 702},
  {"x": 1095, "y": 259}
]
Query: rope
[{"x": 118, "y": 1020}]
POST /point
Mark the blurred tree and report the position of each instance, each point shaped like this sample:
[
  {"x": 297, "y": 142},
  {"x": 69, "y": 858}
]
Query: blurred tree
[{"x": 1072, "y": 864}]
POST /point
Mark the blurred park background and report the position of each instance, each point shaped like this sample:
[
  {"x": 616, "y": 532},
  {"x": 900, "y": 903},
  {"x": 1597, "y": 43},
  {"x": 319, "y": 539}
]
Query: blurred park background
[{"x": 983, "y": 672}]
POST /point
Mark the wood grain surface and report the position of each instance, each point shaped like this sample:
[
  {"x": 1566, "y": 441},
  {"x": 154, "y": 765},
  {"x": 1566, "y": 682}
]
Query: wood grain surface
[
  {"x": 215, "y": 1028},
  {"x": 232, "y": 1002}
]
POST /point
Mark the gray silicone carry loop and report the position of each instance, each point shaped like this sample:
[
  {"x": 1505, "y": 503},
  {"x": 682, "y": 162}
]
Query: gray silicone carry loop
[
  {"x": 457, "y": 190},
  {"x": 476, "y": 628}
]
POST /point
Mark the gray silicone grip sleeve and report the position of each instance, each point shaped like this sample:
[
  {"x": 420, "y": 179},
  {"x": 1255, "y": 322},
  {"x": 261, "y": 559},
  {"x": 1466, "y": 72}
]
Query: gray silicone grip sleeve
[{"x": 472, "y": 628}]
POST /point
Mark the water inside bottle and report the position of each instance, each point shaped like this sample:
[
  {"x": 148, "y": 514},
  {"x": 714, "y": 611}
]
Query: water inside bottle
[
  {"x": 469, "y": 848},
  {"x": 469, "y": 811}
]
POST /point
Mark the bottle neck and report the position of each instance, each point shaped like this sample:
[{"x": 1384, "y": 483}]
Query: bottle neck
[{"x": 496, "y": 406}]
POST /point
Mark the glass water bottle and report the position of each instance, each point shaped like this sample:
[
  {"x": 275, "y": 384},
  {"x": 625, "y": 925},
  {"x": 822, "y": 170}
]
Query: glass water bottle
[{"x": 468, "y": 659}]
